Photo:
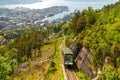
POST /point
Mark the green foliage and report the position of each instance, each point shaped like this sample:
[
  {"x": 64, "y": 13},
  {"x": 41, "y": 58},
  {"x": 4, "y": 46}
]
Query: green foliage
[
  {"x": 77, "y": 23},
  {"x": 65, "y": 27},
  {"x": 7, "y": 62},
  {"x": 118, "y": 61},
  {"x": 21, "y": 48},
  {"x": 52, "y": 68},
  {"x": 80, "y": 24},
  {"x": 100, "y": 34},
  {"x": 109, "y": 73},
  {"x": 82, "y": 76},
  {"x": 4, "y": 68},
  {"x": 29, "y": 44},
  {"x": 57, "y": 27},
  {"x": 69, "y": 39},
  {"x": 55, "y": 70},
  {"x": 90, "y": 16}
]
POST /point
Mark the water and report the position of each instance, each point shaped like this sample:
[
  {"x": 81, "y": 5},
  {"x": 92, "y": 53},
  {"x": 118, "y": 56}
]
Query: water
[
  {"x": 13, "y": 2},
  {"x": 71, "y": 4}
]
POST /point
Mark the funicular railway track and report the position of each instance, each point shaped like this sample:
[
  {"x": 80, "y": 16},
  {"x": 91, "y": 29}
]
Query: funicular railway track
[
  {"x": 71, "y": 75},
  {"x": 69, "y": 71}
]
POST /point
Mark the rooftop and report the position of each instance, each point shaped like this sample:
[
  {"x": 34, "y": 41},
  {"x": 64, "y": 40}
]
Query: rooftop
[{"x": 67, "y": 50}]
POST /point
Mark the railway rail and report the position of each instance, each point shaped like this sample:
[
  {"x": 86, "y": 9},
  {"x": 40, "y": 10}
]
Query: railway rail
[
  {"x": 68, "y": 72},
  {"x": 71, "y": 75}
]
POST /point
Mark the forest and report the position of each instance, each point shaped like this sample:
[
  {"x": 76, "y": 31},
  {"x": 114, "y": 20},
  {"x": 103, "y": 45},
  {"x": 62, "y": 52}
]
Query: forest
[
  {"x": 99, "y": 31},
  {"x": 24, "y": 46}
]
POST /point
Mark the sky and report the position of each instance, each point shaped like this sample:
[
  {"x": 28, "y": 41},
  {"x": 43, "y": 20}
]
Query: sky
[{"x": 49, "y": 3}]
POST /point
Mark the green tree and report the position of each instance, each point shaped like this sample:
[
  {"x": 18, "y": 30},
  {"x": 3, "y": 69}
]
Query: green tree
[{"x": 109, "y": 73}]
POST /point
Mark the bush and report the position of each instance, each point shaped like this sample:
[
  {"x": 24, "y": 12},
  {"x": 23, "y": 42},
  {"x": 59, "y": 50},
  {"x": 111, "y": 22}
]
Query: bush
[{"x": 109, "y": 73}]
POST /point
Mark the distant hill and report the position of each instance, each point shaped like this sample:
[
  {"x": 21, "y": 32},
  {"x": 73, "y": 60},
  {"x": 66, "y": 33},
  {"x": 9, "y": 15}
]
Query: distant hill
[{"x": 9, "y": 2}]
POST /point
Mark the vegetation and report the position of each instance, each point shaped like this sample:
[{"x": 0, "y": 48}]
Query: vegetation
[
  {"x": 109, "y": 73},
  {"x": 43, "y": 67},
  {"x": 21, "y": 48},
  {"x": 26, "y": 45},
  {"x": 99, "y": 31},
  {"x": 55, "y": 70},
  {"x": 81, "y": 75},
  {"x": 7, "y": 62}
]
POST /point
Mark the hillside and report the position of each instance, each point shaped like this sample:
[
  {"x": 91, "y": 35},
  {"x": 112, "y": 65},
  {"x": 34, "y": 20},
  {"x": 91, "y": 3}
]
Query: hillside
[
  {"x": 99, "y": 31},
  {"x": 30, "y": 53},
  {"x": 34, "y": 52}
]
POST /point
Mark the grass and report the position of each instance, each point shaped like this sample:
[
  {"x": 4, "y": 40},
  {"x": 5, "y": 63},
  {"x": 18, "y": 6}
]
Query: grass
[
  {"x": 55, "y": 69},
  {"x": 47, "y": 44}
]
